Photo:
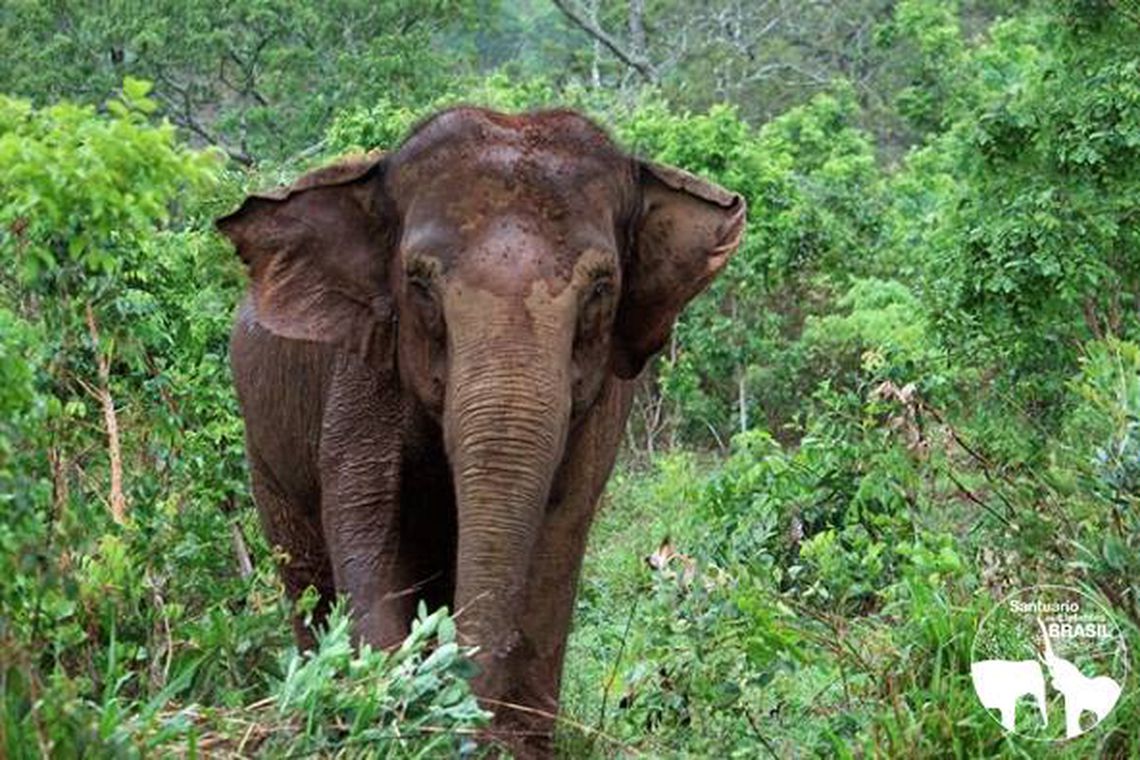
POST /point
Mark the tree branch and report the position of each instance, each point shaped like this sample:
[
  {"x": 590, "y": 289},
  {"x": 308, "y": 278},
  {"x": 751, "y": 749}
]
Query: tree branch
[
  {"x": 635, "y": 61},
  {"x": 114, "y": 446},
  {"x": 184, "y": 117}
]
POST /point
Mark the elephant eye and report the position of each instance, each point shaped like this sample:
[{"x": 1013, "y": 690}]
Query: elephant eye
[
  {"x": 421, "y": 275},
  {"x": 600, "y": 288},
  {"x": 421, "y": 289},
  {"x": 596, "y": 307},
  {"x": 419, "y": 284}
]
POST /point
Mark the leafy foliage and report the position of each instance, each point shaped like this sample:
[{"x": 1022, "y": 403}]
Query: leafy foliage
[
  {"x": 414, "y": 697},
  {"x": 258, "y": 78},
  {"x": 916, "y": 385}
]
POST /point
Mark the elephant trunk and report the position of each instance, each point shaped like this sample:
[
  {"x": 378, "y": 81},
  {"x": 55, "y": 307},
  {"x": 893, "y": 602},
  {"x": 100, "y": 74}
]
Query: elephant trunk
[{"x": 506, "y": 417}]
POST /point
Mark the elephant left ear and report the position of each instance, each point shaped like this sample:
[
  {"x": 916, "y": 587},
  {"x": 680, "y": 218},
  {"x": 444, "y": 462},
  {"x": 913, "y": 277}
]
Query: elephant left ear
[
  {"x": 687, "y": 230},
  {"x": 318, "y": 253}
]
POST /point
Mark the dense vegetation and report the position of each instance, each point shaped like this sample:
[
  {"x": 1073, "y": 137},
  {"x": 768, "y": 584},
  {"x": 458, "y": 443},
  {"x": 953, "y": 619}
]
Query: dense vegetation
[{"x": 916, "y": 387}]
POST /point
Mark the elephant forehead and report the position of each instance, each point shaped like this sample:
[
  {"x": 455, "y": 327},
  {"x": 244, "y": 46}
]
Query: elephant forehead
[
  {"x": 502, "y": 236},
  {"x": 534, "y": 304},
  {"x": 470, "y": 182},
  {"x": 483, "y": 315},
  {"x": 467, "y": 136},
  {"x": 511, "y": 204},
  {"x": 508, "y": 253},
  {"x": 505, "y": 179}
]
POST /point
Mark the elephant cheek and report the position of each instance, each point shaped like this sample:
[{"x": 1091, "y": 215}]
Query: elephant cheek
[
  {"x": 423, "y": 373},
  {"x": 586, "y": 386}
]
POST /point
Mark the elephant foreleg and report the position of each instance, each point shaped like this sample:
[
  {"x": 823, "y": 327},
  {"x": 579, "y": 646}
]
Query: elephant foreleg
[
  {"x": 293, "y": 528},
  {"x": 1072, "y": 718},
  {"x": 362, "y": 535},
  {"x": 360, "y": 499},
  {"x": 545, "y": 625}
]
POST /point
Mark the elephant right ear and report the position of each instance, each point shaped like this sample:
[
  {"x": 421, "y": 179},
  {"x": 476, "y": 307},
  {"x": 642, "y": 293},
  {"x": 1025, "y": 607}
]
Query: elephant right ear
[{"x": 317, "y": 253}]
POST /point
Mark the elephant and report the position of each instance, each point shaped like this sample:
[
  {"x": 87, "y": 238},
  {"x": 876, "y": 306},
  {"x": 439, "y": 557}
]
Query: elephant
[
  {"x": 999, "y": 684},
  {"x": 435, "y": 361}
]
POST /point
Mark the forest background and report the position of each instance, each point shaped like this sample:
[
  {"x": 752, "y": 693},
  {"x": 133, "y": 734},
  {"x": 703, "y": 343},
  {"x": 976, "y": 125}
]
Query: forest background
[{"x": 915, "y": 389}]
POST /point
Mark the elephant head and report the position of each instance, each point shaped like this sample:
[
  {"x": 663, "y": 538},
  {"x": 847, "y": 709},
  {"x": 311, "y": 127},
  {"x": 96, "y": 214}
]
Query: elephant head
[{"x": 505, "y": 268}]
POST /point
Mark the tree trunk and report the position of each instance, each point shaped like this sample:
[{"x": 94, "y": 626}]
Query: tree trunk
[
  {"x": 595, "y": 66},
  {"x": 245, "y": 563},
  {"x": 111, "y": 420},
  {"x": 637, "y": 28},
  {"x": 741, "y": 382},
  {"x": 742, "y": 397}
]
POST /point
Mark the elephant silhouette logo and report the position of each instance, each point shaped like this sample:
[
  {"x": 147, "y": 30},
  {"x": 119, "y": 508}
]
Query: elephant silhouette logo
[
  {"x": 1097, "y": 695},
  {"x": 1000, "y": 683},
  {"x": 1057, "y": 647}
]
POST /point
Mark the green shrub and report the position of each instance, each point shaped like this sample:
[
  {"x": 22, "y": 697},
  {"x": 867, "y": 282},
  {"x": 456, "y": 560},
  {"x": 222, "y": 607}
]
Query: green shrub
[{"x": 414, "y": 701}]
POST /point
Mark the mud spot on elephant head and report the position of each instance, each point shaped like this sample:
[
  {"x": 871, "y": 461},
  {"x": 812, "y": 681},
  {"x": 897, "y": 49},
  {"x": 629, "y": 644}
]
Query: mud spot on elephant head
[{"x": 554, "y": 169}]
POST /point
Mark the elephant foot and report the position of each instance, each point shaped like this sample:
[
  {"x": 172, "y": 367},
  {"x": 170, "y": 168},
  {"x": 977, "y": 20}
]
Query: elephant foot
[
  {"x": 526, "y": 732},
  {"x": 522, "y": 742}
]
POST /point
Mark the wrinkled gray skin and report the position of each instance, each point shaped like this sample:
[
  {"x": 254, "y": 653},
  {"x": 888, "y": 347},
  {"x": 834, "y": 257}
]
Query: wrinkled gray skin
[{"x": 434, "y": 364}]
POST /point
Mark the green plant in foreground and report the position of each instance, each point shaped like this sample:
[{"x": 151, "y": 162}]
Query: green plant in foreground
[
  {"x": 417, "y": 695},
  {"x": 341, "y": 700}
]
